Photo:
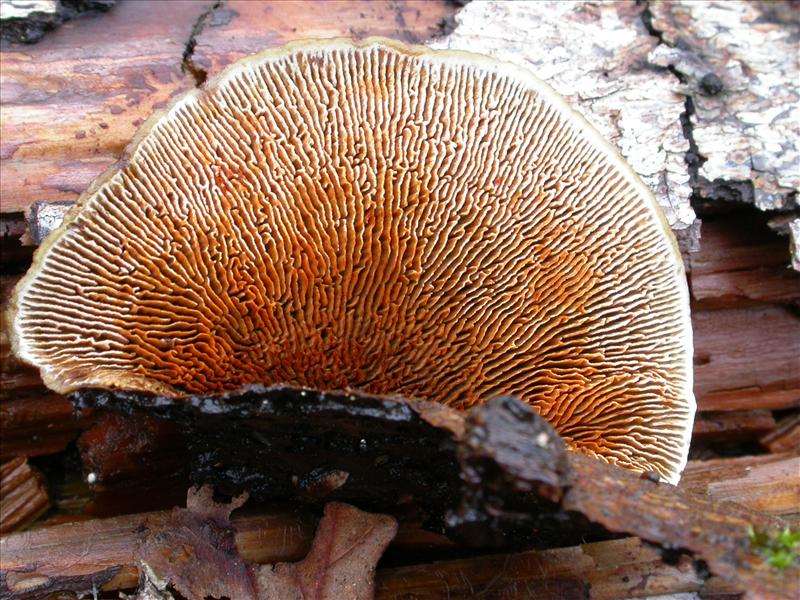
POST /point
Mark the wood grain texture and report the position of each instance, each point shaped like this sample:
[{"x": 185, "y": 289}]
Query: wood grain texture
[
  {"x": 23, "y": 495},
  {"x": 242, "y": 27},
  {"x": 625, "y": 568},
  {"x": 749, "y": 481},
  {"x": 747, "y": 358},
  {"x": 732, "y": 426},
  {"x": 739, "y": 61},
  {"x": 72, "y": 102},
  {"x": 105, "y": 549},
  {"x": 785, "y": 437},
  {"x": 741, "y": 263}
]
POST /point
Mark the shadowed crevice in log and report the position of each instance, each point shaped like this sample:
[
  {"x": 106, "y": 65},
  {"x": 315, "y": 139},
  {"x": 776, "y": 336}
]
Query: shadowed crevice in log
[{"x": 188, "y": 64}]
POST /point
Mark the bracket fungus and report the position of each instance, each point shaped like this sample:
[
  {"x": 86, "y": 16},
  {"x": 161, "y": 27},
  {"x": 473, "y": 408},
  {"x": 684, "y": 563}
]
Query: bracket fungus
[{"x": 373, "y": 216}]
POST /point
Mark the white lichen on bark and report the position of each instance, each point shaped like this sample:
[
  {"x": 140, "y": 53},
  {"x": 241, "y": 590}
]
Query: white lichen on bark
[
  {"x": 630, "y": 68},
  {"x": 746, "y": 123},
  {"x": 595, "y": 55},
  {"x": 794, "y": 231},
  {"x": 22, "y": 9}
]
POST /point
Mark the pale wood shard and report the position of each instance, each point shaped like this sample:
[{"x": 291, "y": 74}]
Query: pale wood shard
[
  {"x": 600, "y": 71},
  {"x": 749, "y": 481},
  {"x": 785, "y": 437},
  {"x": 794, "y": 232}
]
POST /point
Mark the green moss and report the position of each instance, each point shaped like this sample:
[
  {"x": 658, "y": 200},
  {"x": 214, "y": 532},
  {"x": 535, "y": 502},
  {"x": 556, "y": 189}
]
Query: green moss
[{"x": 780, "y": 550}]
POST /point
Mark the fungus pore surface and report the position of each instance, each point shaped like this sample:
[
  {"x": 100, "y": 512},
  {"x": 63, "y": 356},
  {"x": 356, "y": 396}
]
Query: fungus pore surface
[{"x": 377, "y": 217}]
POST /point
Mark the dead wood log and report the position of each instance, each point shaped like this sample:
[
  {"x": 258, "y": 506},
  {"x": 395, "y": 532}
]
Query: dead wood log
[
  {"x": 729, "y": 343},
  {"x": 236, "y": 28},
  {"x": 786, "y": 437},
  {"x": 732, "y": 426},
  {"x": 101, "y": 552},
  {"x": 67, "y": 116},
  {"x": 33, "y": 420},
  {"x": 40, "y": 425},
  {"x": 611, "y": 569},
  {"x": 487, "y": 472},
  {"x": 624, "y": 568},
  {"x": 739, "y": 63},
  {"x": 741, "y": 263},
  {"x": 23, "y": 496},
  {"x": 769, "y": 483}
]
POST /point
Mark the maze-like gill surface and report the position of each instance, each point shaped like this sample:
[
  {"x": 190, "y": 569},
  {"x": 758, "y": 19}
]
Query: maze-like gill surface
[{"x": 382, "y": 218}]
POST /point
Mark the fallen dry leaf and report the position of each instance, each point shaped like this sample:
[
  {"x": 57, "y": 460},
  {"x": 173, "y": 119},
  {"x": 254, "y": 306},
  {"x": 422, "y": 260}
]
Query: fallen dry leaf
[
  {"x": 194, "y": 552},
  {"x": 341, "y": 563}
]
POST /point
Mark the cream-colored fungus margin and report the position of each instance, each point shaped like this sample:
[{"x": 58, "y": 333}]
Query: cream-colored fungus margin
[{"x": 378, "y": 216}]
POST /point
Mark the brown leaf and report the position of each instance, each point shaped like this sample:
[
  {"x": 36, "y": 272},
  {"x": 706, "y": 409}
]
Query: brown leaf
[
  {"x": 194, "y": 552},
  {"x": 341, "y": 563}
]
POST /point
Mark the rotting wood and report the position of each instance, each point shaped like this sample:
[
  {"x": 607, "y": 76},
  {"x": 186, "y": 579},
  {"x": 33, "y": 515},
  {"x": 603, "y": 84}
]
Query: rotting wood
[
  {"x": 100, "y": 547},
  {"x": 732, "y": 426},
  {"x": 67, "y": 116},
  {"x": 33, "y": 420},
  {"x": 741, "y": 262},
  {"x": 739, "y": 60},
  {"x": 38, "y": 425},
  {"x": 769, "y": 483},
  {"x": 236, "y": 29},
  {"x": 747, "y": 358},
  {"x": 103, "y": 550},
  {"x": 786, "y": 437},
  {"x": 23, "y": 496},
  {"x": 624, "y": 568},
  {"x": 515, "y": 480}
]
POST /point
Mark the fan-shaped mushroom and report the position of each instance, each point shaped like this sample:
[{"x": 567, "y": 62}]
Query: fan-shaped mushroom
[{"x": 380, "y": 217}]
